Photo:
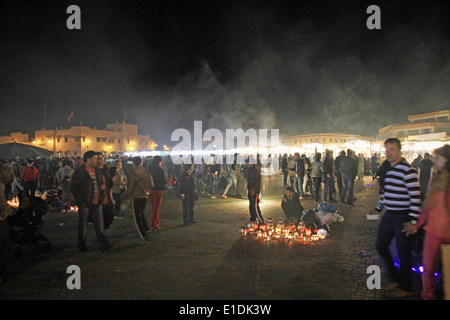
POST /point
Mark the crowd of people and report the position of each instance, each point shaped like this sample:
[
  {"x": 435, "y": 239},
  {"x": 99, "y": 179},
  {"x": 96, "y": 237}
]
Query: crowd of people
[{"x": 102, "y": 188}]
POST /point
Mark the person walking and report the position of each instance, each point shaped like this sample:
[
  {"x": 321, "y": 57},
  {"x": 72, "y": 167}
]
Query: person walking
[
  {"x": 187, "y": 193},
  {"x": 401, "y": 202},
  {"x": 233, "y": 178},
  {"x": 139, "y": 184},
  {"x": 156, "y": 193},
  {"x": 435, "y": 220},
  {"x": 88, "y": 188}
]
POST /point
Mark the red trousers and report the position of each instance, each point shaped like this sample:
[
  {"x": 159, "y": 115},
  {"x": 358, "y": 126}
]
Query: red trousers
[
  {"x": 431, "y": 258},
  {"x": 155, "y": 197}
]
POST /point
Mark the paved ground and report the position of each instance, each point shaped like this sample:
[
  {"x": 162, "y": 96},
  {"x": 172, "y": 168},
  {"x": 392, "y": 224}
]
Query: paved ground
[{"x": 206, "y": 261}]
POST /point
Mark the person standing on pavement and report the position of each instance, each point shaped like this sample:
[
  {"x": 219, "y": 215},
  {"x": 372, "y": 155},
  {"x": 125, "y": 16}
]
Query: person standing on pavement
[
  {"x": 299, "y": 174},
  {"x": 213, "y": 178},
  {"x": 348, "y": 168},
  {"x": 328, "y": 184},
  {"x": 337, "y": 172},
  {"x": 253, "y": 174},
  {"x": 435, "y": 219},
  {"x": 187, "y": 192},
  {"x": 119, "y": 180},
  {"x": 16, "y": 183},
  {"x": 316, "y": 174},
  {"x": 139, "y": 184},
  {"x": 30, "y": 176},
  {"x": 88, "y": 188},
  {"x": 401, "y": 202},
  {"x": 156, "y": 193}
]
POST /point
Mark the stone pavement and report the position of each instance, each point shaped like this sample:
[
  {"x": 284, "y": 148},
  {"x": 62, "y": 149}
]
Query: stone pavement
[{"x": 208, "y": 260}]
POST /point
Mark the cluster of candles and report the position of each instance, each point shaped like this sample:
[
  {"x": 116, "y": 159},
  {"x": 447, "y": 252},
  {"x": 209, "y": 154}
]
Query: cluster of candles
[{"x": 281, "y": 230}]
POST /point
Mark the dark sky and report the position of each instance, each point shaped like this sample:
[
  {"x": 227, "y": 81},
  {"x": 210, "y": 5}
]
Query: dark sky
[{"x": 298, "y": 66}]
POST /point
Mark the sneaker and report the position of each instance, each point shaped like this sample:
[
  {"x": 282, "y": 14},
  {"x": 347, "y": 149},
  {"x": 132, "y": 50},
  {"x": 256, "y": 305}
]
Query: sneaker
[
  {"x": 213, "y": 197},
  {"x": 350, "y": 203},
  {"x": 224, "y": 196},
  {"x": 142, "y": 241},
  {"x": 118, "y": 218}
]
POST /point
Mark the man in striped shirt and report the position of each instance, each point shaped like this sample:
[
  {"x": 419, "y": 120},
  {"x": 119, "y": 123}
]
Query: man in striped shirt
[{"x": 401, "y": 202}]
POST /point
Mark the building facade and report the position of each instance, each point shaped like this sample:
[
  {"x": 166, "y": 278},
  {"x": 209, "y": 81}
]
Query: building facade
[
  {"x": 432, "y": 123},
  {"x": 76, "y": 140}
]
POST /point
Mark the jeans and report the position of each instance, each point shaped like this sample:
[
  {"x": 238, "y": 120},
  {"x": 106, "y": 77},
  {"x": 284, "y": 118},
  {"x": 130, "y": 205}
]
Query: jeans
[
  {"x": 339, "y": 182},
  {"x": 298, "y": 184},
  {"x": 348, "y": 181},
  {"x": 213, "y": 180},
  {"x": 96, "y": 215},
  {"x": 118, "y": 199},
  {"x": 390, "y": 227},
  {"x": 139, "y": 216},
  {"x": 328, "y": 184},
  {"x": 317, "y": 183},
  {"x": 232, "y": 179},
  {"x": 188, "y": 208}
]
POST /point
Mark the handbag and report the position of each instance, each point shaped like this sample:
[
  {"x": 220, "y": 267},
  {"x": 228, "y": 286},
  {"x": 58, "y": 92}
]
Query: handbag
[{"x": 292, "y": 173}]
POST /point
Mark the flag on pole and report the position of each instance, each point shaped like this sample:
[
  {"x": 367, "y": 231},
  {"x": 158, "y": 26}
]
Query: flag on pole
[{"x": 70, "y": 116}]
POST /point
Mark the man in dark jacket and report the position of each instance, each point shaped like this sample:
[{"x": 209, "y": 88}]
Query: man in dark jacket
[
  {"x": 89, "y": 190},
  {"x": 187, "y": 192},
  {"x": 254, "y": 189},
  {"x": 291, "y": 205},
  {"x": 328, "y": 183},
  {"x": 156, "y": 193}
]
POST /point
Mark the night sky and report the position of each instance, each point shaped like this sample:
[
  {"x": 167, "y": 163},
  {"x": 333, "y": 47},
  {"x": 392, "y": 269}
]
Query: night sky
[{"x": 298, "y": 66}]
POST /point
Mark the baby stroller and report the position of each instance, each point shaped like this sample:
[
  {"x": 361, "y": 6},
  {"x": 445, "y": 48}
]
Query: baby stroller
[{"x": 24, "y": 225}]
